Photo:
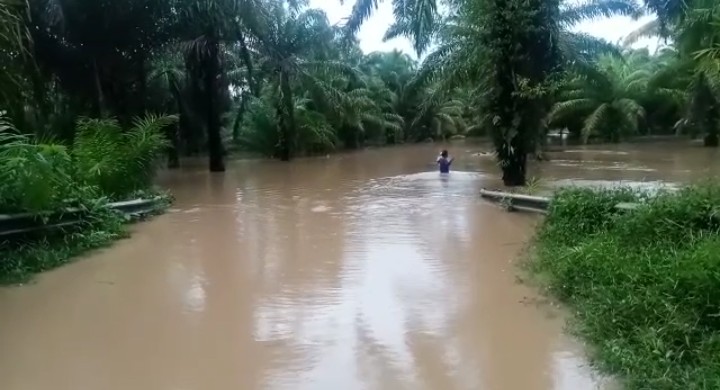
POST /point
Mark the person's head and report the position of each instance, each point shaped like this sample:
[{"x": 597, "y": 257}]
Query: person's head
[{"x": 444, "y": 154}]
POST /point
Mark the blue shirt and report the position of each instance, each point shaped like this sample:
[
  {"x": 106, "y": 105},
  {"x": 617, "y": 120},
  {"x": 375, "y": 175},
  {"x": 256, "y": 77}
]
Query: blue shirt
[{"x": 444, "y": 164}]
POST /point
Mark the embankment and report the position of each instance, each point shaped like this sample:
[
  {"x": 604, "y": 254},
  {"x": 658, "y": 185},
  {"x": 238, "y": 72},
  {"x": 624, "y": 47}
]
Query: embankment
[{"x": 644, "y": 285}]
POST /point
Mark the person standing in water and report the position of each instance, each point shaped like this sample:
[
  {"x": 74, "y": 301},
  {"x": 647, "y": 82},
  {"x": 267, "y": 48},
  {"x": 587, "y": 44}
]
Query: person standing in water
[{"x": 444, "y": 162}]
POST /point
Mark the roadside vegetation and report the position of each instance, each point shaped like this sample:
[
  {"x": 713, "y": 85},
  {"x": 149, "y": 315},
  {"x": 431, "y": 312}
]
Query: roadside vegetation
[
  {"x": 105, "y": 163},
  {"x": 643, "y": 285}
]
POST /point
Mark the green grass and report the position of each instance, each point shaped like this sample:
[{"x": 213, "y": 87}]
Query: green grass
[
  {"x": 644, "y": 286},
  {"x": 21, "y": 260}
]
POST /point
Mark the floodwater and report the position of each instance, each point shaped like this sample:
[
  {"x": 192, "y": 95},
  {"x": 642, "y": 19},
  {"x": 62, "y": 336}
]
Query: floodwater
[{"x": 359, "y": 271}]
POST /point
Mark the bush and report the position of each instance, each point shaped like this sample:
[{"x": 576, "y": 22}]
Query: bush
[
  {"x": 119, "y": 163},
  {"x": 260, "y": 132},
  {"x": 259, "y": 129},
  {"x": 645, "y": 284},
  {"x": 35, "y": 177},
  {"x": 105, "y": 162}
]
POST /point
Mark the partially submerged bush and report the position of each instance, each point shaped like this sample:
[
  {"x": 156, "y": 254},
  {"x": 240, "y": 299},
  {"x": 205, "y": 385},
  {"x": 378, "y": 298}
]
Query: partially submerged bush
[{"x": 645, "y": 284}]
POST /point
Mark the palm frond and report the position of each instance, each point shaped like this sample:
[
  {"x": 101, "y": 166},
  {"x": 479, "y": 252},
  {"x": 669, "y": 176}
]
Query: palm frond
[
  {"x": 567, "y": 108},
  {"x": 361, "y": 11},
  {"x": 399, "y": 28},
  {"x": 571, "y": 15},
  {"x": 594, "y": 121},
  {"x": 579, "y": 47},
  {"x": 647, "y": 30},
  {"x": 118, "y": 162}
]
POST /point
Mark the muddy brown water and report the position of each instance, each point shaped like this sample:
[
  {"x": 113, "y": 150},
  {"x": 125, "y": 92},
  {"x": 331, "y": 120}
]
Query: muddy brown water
[{"x": 359, "y": 271}]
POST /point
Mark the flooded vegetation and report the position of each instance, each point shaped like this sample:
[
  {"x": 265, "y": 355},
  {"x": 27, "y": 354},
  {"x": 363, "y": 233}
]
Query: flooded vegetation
[
  {"x": 353, "y": 267},
  {"x": 362, "y": 270}
]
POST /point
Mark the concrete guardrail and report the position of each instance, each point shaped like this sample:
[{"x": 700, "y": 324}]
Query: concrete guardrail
[{"x": 536, "y": 204}]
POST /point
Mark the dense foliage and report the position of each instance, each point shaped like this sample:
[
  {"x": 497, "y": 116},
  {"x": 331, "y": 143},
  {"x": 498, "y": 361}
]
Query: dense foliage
[
  {"x": 104, "y": 162},
  {"x": 275, "y": 77},
  {"x": 644, "y": 284},
  {"x": 53, "y": 181},
  {"x": 529, "y": 73}
]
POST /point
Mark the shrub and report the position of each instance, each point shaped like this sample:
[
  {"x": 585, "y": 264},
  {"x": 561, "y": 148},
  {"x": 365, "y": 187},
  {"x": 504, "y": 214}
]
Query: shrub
[
  {"x": 119, "y": 163},
  {"x": 645, "y": 284},
  {"x": 105, "y": 162},
  {"x": 35, "y": 177},
  {"x": 259, "y": 131}
]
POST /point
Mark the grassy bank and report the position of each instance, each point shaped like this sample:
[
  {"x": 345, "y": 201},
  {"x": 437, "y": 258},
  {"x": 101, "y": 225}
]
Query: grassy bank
[
  {"x": 25, "y": 256},
  {"x": 21, "y": 259},
  {"x": 644, "y": 285}
]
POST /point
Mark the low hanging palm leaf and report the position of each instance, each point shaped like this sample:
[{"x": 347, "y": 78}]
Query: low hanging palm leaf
[
  {"x": 439, "y": 117},
  {"x": 413, "y": 18},
  {"x": 573, "y": 13},
  {"x": 647, "y": 30}
]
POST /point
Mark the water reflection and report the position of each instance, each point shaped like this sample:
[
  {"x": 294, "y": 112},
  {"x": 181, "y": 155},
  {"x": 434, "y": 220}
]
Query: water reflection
[{"x": 360, "y": 271}]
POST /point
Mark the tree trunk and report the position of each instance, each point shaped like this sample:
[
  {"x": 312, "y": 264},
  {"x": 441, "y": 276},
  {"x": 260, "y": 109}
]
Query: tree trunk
[
  {"x": 239, "y": 117},
  {"x": 100, "y": 102},
  {"x": 522, "y": 42},
  {"x": 712, "y": 122},
  {"x": 173, "y": 132},
  {"x": 141, "y": 96},
  {"x": 173, "y": 152},
  {"x": 247, "y": 59},
  {"x": 351, "y": 137},
  {"x": 514, "y": 164},
  {"x": 212, "y": 70},
  {"x": 711, "y": 140},
  {"x": 287, "y": 119}
]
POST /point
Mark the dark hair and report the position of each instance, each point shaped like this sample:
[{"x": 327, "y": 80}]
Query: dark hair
[{"x": 444, "y": 153}]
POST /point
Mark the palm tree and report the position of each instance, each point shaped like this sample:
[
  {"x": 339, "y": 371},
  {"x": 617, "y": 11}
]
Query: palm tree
[
  {"x": 286, "y": 41},
  {"x": 605, "y": 99},
  {"x": 168, "y": 77},
  {"x": 439, "y": 116},
  {"x": 366, "y": 113},
  {"x": 694, "y": 28},
  {"x": 508, "y": 62},
  {"x": 479, "y": 45},
  {"x": 205, "y": 26}
]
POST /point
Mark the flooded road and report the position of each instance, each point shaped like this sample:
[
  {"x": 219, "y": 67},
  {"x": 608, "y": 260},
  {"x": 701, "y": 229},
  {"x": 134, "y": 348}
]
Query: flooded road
[{"x": 359, "y": 271}]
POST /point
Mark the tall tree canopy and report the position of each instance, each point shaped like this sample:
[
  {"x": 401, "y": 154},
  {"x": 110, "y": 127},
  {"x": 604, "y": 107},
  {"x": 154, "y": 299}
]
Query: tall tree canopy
[{"x": 275, "y": 77}]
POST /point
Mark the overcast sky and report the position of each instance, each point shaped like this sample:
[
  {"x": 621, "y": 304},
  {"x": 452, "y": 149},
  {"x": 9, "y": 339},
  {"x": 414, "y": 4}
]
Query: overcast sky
[{"x": 372, "y": 31}]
